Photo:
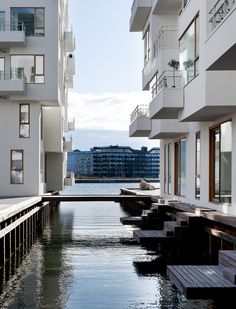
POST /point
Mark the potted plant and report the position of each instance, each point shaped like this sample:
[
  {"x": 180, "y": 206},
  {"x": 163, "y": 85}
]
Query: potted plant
[{"x": 174, "y": 64}]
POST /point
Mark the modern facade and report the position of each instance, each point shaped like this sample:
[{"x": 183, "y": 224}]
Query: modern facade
[
  {"x": 115, "y": 161},
  {"x": 80, "y": 163},
  {"x": 189, "y": 67},
  {"x": 36, "y": 70}
]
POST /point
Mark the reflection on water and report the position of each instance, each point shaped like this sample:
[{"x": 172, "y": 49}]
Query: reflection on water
[{"x": 87, "y": 260}]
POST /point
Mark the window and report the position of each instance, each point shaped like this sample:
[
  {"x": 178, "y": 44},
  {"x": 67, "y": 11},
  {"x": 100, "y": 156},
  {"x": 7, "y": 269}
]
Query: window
[
  {"x": 2, "y": 68},
  {"x": 180, "y": 167},
  {"x": 197, "y": 164},
  {"x": 32, "y": 66},
  {"x": 2, "y": 21},
  {"x": 30, "y": 19},
  {"x": 24, "y": 121},
  {"x": 189, "y": 51},
  {"x": 220, "y": 163},
  {"x": 146, "y": 39},
  {"x": 17, "y": 175}
]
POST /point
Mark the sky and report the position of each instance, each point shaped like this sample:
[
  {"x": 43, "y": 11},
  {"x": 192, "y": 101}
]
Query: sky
[{"x": 108, "y": 80}]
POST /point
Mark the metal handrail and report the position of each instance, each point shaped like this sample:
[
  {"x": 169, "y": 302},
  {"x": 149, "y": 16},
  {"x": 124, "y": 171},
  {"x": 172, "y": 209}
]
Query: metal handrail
[
  {"x": 14, "y": 75},
  {"x": 219, "y": 11},
  {"x": 168, "y": 79},
  {"x": 140, "y": 111},
  {"x": 12, "y": 27},
  {"x": 165, "y": 39}
]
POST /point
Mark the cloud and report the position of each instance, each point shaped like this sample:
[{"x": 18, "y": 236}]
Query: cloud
[{"x": 108, "y": 111}]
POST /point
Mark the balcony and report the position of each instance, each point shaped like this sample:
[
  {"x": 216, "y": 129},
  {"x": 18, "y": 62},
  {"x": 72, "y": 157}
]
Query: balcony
[
  {"x": 14, "y": 83},
  {"x": 165, "y": 47},
  {"x": 210, "y": 97},
  {"x": 167, "y": 129},
  {"x": 11, "y": 36},
  {"x": 167, "y": 93},
  {"x": 67, "y": 144},
  {"x": 69, "y": 81},
  {"x": 139, "y": 14},
  {"x": 221, "y": 48},
  {"x": 71, "y": 125},
  {"x": 140, "y": 123},
  {"x": 70, "y": 64},
  {"x": 69, "y": 41},
  {"x": 167, "y": 6}
]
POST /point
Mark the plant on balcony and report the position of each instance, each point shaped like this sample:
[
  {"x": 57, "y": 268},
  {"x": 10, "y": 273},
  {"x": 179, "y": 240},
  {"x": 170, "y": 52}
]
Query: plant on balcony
[
  {"x": 188, "y": 64},
  {"x": 174, "y": 64}
]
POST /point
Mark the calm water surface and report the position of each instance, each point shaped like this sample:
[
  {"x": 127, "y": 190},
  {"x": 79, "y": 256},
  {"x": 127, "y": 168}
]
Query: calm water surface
[{"x": 87, "y": 260}]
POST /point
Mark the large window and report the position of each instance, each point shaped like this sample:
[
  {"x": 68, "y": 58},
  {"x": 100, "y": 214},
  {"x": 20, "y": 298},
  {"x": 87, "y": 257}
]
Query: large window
[
  {"x": 32, "y": 66},
  {"x": 146, "y": 39},
  {"x": 167, "y": 169},
  {"x": 180, "y": 167},
  {"x": 24, "y": 127},
  {"x": 31, "y": 19},
  {"x": 2, "y": 21},
  {"x": 220, "y": 163},
  {"x": 197, "y": 164},
  {"x": 189, "y": 51},
  {"x": 17, "y": 168}
]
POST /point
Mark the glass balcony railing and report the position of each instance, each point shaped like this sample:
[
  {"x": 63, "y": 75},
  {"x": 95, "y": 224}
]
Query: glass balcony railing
[
  {"x": 140, "y": 111},
  {"x": 12, "y": 27},
  {"x": 167, "y": 37},
  {"x": 167, "y": 79},
  {"x": 14, "y": 75},
  {"x": 219, "y": 11}
]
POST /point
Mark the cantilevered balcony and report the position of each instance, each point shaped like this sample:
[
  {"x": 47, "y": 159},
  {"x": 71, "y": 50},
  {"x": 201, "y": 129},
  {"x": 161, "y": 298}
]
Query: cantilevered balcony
[
  {"x": 67, "y": 144},
  {"x": 167, "y": 93},
  {"x": 140, "y": 123},
  {"x": 139, "y": 14},
  {"x": 69, "y": 41},
  {"x": 221, "y": 48},
  {"x": 71, "y": 125},
  {"x": 11, "y": 35},
  {"x": 167, "y": 6},
  {"x": 209, "y": 97},
  {"x": 14, "y": 83},
  {"x": 165, "y": 47},
  {"x": 167, "y": 129}
]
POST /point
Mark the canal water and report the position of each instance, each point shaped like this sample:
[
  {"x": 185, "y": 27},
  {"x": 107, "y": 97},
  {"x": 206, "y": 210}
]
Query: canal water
[{"x": 86, "y": 259}]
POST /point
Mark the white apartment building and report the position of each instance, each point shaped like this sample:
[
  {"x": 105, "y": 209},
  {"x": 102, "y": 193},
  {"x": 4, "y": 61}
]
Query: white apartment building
[
  {"x": 36, "y": 70},
  {"x": 193, "y": 107}
]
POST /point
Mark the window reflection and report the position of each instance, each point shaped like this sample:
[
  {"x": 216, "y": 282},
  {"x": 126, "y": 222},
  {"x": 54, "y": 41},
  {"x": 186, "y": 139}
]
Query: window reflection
[
  {"x": 31, "y": 66},
  {"x": 17, "y": 167},
  {"x": 30, "y": 19},
  {"x": 2, "y": 21},
  {"x": 189, "y": 51}
]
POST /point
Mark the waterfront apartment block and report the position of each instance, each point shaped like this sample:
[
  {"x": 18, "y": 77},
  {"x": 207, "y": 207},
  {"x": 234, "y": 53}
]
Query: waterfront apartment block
[
  {"x": 190, "y": 69},
  {"x": 115, "y": 161},
  {"x": 36, "y": 70}
]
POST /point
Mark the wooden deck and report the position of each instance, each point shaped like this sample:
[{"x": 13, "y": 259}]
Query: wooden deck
[
  {"x": 131, "y": 220},
  {"x": 151, "y": 236},
  {"x": 96, "y": 198},
  {"x": 201, "y": 282}
]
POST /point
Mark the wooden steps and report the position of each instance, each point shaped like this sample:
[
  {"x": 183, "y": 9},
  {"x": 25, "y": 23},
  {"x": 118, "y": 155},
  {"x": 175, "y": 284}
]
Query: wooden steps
[
  {"x": 202, "y": 282},
  {"x": 151, "y": 237},
  {"x": 131, "y": 220}
]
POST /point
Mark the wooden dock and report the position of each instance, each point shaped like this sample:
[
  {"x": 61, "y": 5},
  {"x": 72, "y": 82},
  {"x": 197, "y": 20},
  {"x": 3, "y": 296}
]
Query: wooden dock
[
  {"x": 96, "y": 198},
  {"x": 151, "y": 237},
  {"x": 207, "y": 281}
]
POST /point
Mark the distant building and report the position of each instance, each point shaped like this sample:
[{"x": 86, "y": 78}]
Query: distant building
[
  {"x": 115, "y": 161},
  {"x": 80, "y": 162}
]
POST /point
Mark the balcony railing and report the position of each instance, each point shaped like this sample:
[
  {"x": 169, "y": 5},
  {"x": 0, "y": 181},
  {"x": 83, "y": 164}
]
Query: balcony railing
[
  {"x": 219, "y": 11},
  {"x": 140, "y": 111},
  {"x": 167, "y": 37},
  {"x": 14, "y": 75},
  {"x": 168, "y": 79},
  {"x": 12, "y": 27}
]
